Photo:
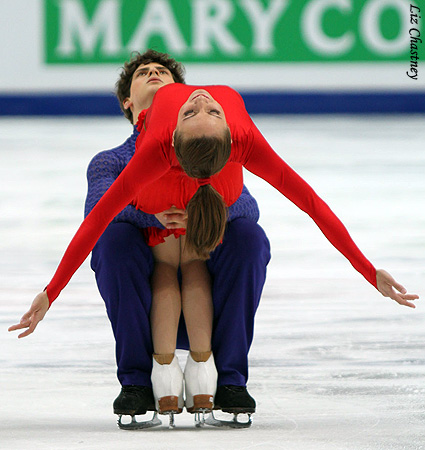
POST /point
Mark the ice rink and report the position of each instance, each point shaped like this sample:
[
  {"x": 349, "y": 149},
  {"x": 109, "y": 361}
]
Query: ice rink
[{"x": 333, "y": 366}]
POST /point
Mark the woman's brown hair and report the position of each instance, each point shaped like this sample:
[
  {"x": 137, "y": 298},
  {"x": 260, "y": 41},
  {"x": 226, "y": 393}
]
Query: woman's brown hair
[{"x": 206, "y": 211}]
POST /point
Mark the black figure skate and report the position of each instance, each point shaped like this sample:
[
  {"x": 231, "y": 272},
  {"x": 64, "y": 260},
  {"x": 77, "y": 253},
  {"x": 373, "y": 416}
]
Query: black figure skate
[
  {"x": 234, "y": 400},
  {"x": 134, "y": 401}
]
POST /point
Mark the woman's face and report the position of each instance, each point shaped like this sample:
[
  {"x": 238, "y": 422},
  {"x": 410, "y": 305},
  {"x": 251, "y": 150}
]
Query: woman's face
[{"x": 201, "y": 115}]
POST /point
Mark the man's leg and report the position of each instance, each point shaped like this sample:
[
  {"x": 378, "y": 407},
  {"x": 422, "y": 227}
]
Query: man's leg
[
  {"x": 238, "y": 271},
  {"x": 123, "y": 264}
]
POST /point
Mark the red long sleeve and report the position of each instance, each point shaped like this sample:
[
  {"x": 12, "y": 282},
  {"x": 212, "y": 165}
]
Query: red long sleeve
[
  {"x": 144, "y": 167},
  {"x": 261, "y": 160}
]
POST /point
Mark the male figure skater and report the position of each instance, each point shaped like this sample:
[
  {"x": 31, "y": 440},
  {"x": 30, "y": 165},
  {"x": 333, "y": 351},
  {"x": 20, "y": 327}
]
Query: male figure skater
[{"x": 123, "y": 263}]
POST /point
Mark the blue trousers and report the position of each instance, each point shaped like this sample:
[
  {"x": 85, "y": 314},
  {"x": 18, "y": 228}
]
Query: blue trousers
[{"x": 123, "y": 265}]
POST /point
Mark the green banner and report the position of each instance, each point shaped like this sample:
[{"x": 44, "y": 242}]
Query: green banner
[{"x": 217, "y": 31}]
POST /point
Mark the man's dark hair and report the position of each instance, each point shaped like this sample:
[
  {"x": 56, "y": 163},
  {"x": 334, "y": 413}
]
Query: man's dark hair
[{"x": 123, "y": 84}]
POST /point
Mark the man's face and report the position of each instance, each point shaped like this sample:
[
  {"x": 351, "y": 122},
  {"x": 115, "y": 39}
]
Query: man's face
[{"x": 147, "y": 79}]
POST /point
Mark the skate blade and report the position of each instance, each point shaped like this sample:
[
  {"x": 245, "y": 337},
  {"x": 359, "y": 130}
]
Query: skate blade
[
  {"x": 135, "y": 425},
  {"x": 234, "y": 423},
  {"x": 200, "y": 416}
]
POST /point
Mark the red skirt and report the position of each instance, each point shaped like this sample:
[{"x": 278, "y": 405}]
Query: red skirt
[{"x": 154, "y": 236}]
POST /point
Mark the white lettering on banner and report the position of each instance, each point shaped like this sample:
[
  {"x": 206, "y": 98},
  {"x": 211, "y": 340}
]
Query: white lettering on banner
[
  {"x": 158, "y": 19},
  {"x": 371, "y": 32},
  {"x": 104, "y": 27},
  {"x": 264, "y": 22},
  {"x": 208, "y": 27},
  {"x": 312, "y": 29}
]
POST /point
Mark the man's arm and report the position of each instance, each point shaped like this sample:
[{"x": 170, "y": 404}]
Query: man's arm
[
  {"x": 105, "y": 168},
  {"x": 102, "y": 171},
  {"x": 245, "y": 206}
]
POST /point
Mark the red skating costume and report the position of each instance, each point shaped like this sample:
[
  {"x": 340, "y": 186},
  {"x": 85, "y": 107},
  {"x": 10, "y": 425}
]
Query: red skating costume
[
  {"x": 155, "y": 158},
  {"x": 176, "y": 188}
]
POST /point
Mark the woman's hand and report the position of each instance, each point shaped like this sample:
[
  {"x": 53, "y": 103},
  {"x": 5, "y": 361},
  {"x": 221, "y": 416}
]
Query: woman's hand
[
  {"x": 388, "y": 287},
  {"x": 36, "y": 313},
  {"x": 173, "y": 218}
]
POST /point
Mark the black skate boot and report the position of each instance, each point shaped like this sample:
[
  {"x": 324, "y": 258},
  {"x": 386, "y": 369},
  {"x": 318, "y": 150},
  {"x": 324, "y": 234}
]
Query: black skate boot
[
  {"x": 235, "y": 400},
  {"x": 132, "y": 401}
]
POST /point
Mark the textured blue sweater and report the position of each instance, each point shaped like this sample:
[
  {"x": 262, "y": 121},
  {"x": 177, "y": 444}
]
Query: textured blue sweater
[{"x": 105, "y": 168}]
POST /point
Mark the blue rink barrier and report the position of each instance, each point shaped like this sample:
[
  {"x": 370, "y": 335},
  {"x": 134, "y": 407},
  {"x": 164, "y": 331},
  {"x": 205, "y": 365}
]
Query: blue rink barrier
[{"x": 256, "y": 103}]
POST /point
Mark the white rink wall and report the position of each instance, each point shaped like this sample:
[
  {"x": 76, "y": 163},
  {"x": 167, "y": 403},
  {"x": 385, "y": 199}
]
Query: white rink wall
[{"x": 52, "y": 47}]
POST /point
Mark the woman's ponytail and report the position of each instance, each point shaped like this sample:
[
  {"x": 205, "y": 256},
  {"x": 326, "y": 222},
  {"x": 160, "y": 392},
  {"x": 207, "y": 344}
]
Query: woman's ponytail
[
  {"x": 206, "y": 211},
  {"x": 206, "y": 221}
]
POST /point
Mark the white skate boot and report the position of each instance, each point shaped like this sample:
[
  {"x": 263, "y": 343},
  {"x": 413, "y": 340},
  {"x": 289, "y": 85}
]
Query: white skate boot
[
  {"x": 167, "y": 384},
  {"x": 200, "y": 386}
]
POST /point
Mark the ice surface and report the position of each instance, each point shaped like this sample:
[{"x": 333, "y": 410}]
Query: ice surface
[{"x": 333, "y": 366}]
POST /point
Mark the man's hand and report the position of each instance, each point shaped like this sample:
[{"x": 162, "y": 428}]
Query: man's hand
[
  {"x": 36, "y": 313},
  {"x": 173, "y": 218},
  {"x": 388, "y": 287}
]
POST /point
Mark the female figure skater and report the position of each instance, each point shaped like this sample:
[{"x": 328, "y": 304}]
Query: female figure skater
[
  {"x": 200, "y": 138},
  {"x": 193, "y": 297},
  {"x": 168, "y": 301}
]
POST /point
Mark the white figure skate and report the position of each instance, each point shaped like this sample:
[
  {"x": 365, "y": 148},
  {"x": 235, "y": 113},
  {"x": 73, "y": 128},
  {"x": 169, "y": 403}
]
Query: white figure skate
[
  {"x": 167, "y": 384},
  {"x": 200, "y": 386}
]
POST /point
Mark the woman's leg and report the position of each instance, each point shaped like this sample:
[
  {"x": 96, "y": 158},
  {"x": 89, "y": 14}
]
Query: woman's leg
[
  {"x": 200, "y": 373},
  {"x": 166, "y": 297},
  {"x": 167, "y": 376},
  {"x": 196, "y": 300}
]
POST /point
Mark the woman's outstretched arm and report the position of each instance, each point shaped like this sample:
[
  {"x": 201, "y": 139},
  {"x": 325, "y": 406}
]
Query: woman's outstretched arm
[
  {"x": 263, "y": 161},
  {"x": 145, "y": 167}
]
